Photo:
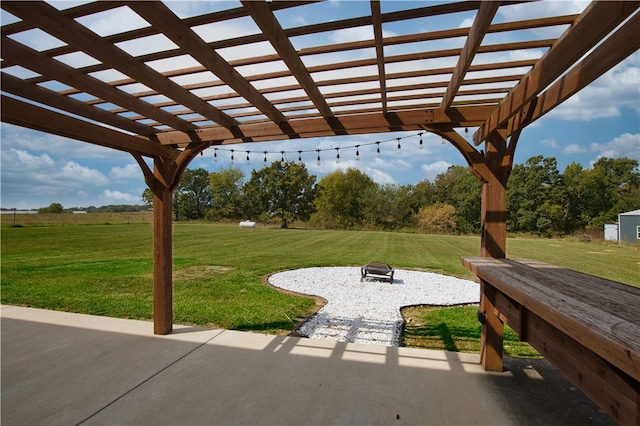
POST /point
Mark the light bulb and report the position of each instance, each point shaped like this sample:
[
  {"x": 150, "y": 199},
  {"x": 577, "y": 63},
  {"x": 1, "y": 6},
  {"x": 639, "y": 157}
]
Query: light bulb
[
  {"x": 357, "y": 152},
  {"x": 215, "y": 155},
  {"x": 337, "y": 155},
  {"x": 232, "y": 161},
  {"x": 318, "y": 162},
  {"x": 399, "y": 147},
  {"x": 378, "y": 150}
]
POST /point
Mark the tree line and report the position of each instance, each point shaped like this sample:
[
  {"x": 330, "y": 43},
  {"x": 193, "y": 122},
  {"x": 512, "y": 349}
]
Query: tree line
[{"x": 540, "y": 200}]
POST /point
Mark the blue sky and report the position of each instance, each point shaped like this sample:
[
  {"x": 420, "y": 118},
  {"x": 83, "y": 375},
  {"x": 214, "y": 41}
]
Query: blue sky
[{"x": 602, "y": 120}]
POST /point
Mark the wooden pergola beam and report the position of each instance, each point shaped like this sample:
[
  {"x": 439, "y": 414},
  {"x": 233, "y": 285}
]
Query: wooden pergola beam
[
  {"x": 63, "y": 73},
  {"x": 481, "y": 24},
  {"x": 31, "y": 116},
  {"x": 53, "y": 99},
  {"x": 598, "y": 20},
  {"x": 356, "y": 124},
  {"x": 174, "y": 28},
  {"x": 263, "y": 17},
  {"x": 376, "y": 18},
  {"x": 73, "y": 33},
  {"x": 623, "y": 43}
]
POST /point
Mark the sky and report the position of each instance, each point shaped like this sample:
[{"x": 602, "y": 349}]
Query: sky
[{"x": 603, "y": 119}]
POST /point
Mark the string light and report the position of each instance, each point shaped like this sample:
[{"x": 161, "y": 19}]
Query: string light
[
  {"x": 443, "y": 141},
  {"x": 357, "y": 147}
]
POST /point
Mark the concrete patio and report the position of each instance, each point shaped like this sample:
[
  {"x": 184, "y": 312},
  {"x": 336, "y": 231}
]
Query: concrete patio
[{"x": 63, "y": 368}]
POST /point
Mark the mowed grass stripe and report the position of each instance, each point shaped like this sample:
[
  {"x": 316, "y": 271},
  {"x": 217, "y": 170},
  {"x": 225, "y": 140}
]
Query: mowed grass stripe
[{"x": 220, "y": 270}]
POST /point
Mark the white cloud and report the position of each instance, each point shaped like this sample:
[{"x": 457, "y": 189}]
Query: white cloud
[
  {"x": 113, "y": 21},
  {"x": 130, "y": 171},
  {"x": 74, "y": 171},
  {"x": 379, "y": 176},
  {"x": 532, "y": 10},
  {"x": 625, "y": 145},
  {"x": 34, "y": 141},
  {"x": 121, "y": 197},
  {"x": 573, "y": 148},
  {"x": 352, "y": 34},
  {"x": 20, "y": 160},
  {"x": 605, "y": 97},
  {"x": 550, "y": 143},
  {"x": 434, "y": 169},
  {"x": 466, "y": 23}
]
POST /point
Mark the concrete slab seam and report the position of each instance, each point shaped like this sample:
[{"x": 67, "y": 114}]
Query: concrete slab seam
[{"x": 147, "y": 379}]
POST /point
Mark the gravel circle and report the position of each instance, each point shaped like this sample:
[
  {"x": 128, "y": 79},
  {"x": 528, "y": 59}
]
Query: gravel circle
[{"x": 369, "y": 311}]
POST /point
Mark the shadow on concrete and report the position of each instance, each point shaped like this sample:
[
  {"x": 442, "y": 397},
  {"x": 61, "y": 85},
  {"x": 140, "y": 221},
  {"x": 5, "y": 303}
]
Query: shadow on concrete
[{"x": 61, "y": 368}]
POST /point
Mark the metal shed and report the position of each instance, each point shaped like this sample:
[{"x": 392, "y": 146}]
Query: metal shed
[{"x": 629, "y": 226}]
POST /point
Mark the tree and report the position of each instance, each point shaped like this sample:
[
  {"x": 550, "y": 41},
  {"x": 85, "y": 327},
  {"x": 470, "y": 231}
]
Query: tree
[
  {"x": 53, "y": 208},
  {"x": 612, "y": 187},
  {"x": 461, "y": 189},
  {"x": 147, "y": 197},
  {"x": 192, "y": 197},
  {"x": 532, "y": 203},
  {"x": 226, "y": 193},
  {"x": 391, "y": 207},
  {"x": 344, "y": 198},
  {"x": 284, "y": 190},
  {"x": 438, "y": 218}
]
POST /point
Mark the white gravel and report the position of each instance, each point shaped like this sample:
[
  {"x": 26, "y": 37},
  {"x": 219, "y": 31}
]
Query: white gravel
[{"x": 369, "y": 311}]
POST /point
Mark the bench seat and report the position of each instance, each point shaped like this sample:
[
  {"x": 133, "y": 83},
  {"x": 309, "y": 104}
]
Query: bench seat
[{"x": 588, "y": 327}]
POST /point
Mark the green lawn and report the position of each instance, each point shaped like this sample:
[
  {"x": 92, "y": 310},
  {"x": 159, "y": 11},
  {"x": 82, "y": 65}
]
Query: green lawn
[{"x": 220, "y": 270}]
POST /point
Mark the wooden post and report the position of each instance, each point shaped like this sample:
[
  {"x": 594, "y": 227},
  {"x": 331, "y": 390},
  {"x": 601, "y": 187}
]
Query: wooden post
[
  {"x": 166, "y": 175},
  {"x": 494, "y": 201},
  {"x": 162, "y": 262},
  {"x": 491, "y": 340},
  {"x": 493, "y": 244}
]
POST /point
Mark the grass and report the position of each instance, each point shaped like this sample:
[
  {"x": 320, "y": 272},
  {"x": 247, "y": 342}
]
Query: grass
[
  {"x": 220, "y": 271},
  {"x": 454, "y": 329}
]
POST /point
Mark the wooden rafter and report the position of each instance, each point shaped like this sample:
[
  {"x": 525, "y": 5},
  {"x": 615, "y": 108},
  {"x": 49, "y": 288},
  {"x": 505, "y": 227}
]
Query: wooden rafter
[
  {"x": 264, "y": 18},
  {"x": 604, "y": 57},
  {"x": 73, "y": 33},
  {"x": 58, "y": 71},
  {"x": 20, "y": 113},
  {"x": 217, "y": 101},
  {"x": 598, "y": 20},
  {"x": 160, "y": 16},
  {"x": 20, "y": 88},
  {"x": 480, "y": 26},
  {"x": 376, "y": 17}
]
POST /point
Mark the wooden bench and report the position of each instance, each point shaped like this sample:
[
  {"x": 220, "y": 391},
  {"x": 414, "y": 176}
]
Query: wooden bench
[
  {"x": 588, "y": 327},
  {"x": 382, "y": 271}
]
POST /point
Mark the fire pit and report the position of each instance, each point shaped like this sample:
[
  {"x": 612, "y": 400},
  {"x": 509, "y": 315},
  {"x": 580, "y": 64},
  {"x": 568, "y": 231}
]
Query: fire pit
[{"x": 382, "y": 271}]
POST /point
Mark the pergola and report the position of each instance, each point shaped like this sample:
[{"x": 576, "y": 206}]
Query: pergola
[{"x": 169, "y": 104}]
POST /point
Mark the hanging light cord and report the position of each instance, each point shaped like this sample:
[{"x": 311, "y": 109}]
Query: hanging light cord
[{"x": 319, "y": 150}]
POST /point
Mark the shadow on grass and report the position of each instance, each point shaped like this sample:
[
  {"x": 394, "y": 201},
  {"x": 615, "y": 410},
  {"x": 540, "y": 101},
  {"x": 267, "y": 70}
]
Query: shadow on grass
[{"x": 442, "y": 336}]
